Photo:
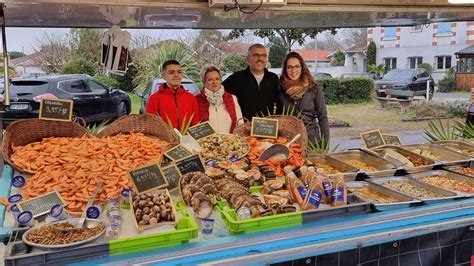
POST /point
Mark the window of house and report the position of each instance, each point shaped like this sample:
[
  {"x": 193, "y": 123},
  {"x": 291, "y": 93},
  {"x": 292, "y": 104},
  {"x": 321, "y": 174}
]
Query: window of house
[
  {"x": 416, "y": 28},
  {"x": 466, "y": 64},
  {"x": 390, "y": 33},
  {"x": 443, "y": 62},
  {"x": 390, "y": 62},
  {"x": 414, "y": 61},
  {"x": 444, "y": 28}
]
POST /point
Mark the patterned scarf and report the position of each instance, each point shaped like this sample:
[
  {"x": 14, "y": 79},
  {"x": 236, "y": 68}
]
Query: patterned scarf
[
  {"x": 295, "y": 88},
  {"x": 215, "y": 98}
]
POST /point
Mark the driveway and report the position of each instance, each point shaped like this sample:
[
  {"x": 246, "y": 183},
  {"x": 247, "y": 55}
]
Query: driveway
[{"x": 448, "y": 96}]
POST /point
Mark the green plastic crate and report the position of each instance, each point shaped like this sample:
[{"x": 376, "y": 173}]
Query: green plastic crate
[{"x": 186, "y": 230}]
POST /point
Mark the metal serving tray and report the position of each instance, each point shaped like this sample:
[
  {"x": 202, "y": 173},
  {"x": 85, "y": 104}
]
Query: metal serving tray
[
  {"x": 349, "y": 172},
  {"x": 445, "y": 156},
  {"x": 457, "y": 146},
  {"x": 430, "y": 163},
  {"x": 404, "y": 201},
  {"x": 384, "y": 167},
  {"x": 447, "y": 195},
  {"x": 354, "y": 206},
  {"x": 453, "y": 167},
  {"x": 447, "y": 174}
]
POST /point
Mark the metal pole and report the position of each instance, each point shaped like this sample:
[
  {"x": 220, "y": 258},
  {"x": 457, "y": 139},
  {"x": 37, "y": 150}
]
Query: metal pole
[
  {"x": 316, "y": 54},
  {"x": 428, "y": 90},
  {"x": 5, "y": 60}
]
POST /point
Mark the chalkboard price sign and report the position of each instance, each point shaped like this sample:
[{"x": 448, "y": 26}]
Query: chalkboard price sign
[
  {"x": 178, "y": 152},
  {"x": 372, "y": 139},
  {"x": 41, "y": 204},
  {"x": 392, "y": 139},
  {"x": 56, "y": 109},
  {"x": 201, "y": 131},
  {"x": 172, "y": 174},
  {"x": 147, "y": 178},
  {"x": 264, "y": 127},
  {"x": 192, "y": 163}
]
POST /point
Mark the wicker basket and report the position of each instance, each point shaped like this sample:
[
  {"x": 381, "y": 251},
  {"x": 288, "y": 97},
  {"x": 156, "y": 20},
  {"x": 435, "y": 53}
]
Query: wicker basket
[
  {"x": 147, "y": 124},
  {"x": 288, "y": 127},
  {"x": 26, "y": 131}
]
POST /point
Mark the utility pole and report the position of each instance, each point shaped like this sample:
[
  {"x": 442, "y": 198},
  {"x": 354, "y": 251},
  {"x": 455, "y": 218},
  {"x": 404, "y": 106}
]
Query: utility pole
[{"x": 316, "y": 54}]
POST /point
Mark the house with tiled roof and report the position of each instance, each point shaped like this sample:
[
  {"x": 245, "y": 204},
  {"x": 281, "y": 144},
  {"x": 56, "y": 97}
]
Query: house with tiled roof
[
  {"x": 27, "y": 65},
  {"x": 309, "y": 56}
]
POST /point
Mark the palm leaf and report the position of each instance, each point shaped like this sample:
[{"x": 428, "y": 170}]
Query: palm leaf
[
  {"x": 438, "y": 131},
  {"x": 97, "y": 128},
  {"x": 321, "y": 148}
]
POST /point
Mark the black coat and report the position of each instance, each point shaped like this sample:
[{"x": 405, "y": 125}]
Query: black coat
[{"x": 254, "y": 99}]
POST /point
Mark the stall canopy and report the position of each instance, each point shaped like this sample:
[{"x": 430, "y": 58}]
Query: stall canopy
[{"x": 198, "y": 13}]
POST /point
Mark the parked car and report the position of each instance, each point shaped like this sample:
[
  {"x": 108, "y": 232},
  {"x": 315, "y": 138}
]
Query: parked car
[
  {"x": 322, "y": 75},
  {"x": 93, "y": 101},
  {"x": 415, "y": 80},
  {"x": 358, "y": 75},
  {"x": 153, "y": 86},
  {"x": 470, "y": 114}
]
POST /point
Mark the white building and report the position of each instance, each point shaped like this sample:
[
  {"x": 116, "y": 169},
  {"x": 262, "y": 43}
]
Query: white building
[
  {"x": 27, "y": 65},
  {"x": 435, "y": 44}
]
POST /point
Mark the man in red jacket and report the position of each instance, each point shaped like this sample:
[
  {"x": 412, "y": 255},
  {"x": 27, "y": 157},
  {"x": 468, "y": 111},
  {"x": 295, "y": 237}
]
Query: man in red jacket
[{"x": 171, "y": 101}]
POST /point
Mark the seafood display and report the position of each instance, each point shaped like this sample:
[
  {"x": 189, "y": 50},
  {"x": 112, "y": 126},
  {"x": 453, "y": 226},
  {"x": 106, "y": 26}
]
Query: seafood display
[
  {"x": 449, "y": 183},
  {"x": 412, "y": 190},
  {"x": 464, "y": 170},
  {"x": 374, "y": 195},
  {"x": 222, "y": 147},
  {"x": 152, "y": 208},
  {"x": 72, "y": 166},
  {"x": 361, "y": 165},
  {"x": 62, "y": 233}
]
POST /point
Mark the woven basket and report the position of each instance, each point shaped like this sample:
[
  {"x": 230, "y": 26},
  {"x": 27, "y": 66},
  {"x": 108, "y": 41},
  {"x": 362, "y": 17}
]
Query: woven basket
[
  {"x": 26, "y": 131},
  {"x": 147, "y": 124},
  {"x": 288, "y": 127}
]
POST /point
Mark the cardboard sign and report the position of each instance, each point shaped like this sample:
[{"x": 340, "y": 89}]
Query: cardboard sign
[
  {"x": 264, "y": 127},
  {"x": 372, "y": 139},
  {"x": 172, "y": 174},
  {"x": 392, "y": 139},
  {"x": 41, "y": 204},
  {"x": 200, "y": 131},
  {"x": 192, "y": 163},
  {"x": 147, "y": 178},
  {"x": 56, "y": 109},
  {"x": 178, "y": 152}
]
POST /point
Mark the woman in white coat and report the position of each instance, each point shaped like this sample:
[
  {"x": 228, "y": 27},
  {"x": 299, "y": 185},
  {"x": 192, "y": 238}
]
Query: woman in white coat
[{"x": 217, "y": 106}]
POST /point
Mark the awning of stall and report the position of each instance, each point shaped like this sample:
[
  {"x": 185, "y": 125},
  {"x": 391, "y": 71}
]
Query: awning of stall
[{"x": 199, "y": 15}]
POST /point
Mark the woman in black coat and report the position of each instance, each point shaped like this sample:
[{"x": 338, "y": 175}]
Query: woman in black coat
[{"x": 298, "y": 87}]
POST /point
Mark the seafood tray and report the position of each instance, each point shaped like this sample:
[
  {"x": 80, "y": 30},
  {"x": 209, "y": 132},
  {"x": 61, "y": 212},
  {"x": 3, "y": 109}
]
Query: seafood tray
[
  {"x": 401, "y": 201},
  {"x": 445, "y": 156},
  {"x": 424, "y": 163},
  {"x": 349, "y": 172},
  {"x": 354, "y": 206},
  {"x": 236, "y": 226},
  {"x": 457, "y": 146},
  {"x": 409, "y": 183},
  {"x": 463, "y": 170},
  {"x": 366, "y": 162},
  {"x": 466, "y": 184}
]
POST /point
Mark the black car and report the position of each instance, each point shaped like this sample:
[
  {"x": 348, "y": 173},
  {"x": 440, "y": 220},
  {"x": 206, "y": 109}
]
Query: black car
[
  {"x": 153, "y": 86},
  {"x": 93, "y": 101},
  {"x": 405, "y": 79},
  {"x": 470, "y": 114}
]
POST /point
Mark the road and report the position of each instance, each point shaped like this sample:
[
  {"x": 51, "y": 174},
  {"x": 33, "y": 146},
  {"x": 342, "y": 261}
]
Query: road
[{"x": 412, "y": 137}]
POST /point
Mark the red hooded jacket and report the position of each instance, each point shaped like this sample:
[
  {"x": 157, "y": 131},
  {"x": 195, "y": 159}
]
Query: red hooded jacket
[{"x": 177, "y": 105}]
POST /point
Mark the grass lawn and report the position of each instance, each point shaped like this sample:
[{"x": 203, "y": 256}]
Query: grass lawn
[
  {"x": 369, "y": 116},
  {"x": 136, "y": 102}
]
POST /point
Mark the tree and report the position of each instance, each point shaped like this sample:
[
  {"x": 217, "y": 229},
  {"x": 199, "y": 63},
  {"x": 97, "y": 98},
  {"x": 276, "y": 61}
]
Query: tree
[
  {"x": 326, "y": 41},
  {"x": 79, "y": 65},
  {"x": 277, "y": 53},
  {"x": 206, "y": 46},
  {"x": 11, "y": 71},
  {"x": 339, "y": 58},
  {"x": 150, "y": 67},
  {"x": 378, "y": 70},
  {"x": 371, "y": 54},
  {"x": 354, "y": 36},
  {"x": 289, "y": 37},
  {"x": 233, "y": 63},
  {"x": 426, "y": 67},
  {"x": 53, "y": 52},
  {"x": 86, "y": 43},
  {"x": 15, "y": 54}
]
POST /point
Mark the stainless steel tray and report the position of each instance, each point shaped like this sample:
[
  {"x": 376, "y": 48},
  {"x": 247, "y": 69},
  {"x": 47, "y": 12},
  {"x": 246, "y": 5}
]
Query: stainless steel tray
[
  {"x": 450, "y": 175},
  {"x": 404, "y": 201},
  {"x": 354, "y": 206},
  {"x": 443, "y": 155},
  {"x": 453, "y": 169},
  {"x": 457, "y": 146},
  {"x": 430, "y": 163},
  {"x": 447, "y": 195},
  {"x": 349, "y": 172},
  {"x": 384, "y": 167}
]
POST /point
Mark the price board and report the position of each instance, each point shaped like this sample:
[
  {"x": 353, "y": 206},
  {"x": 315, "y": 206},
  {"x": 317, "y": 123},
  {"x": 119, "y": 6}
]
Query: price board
[
  {"x": 177, "y": 152},
  {"x": 372, "y": 139},
  {"x": 41, "y": 204},
  {"x": 201, "y": 130},
  {"x": 171, "y": 172},
  {"x": 392, "y": 139},
  {"x": 264, "y": 127},
  {"x": 192, "y": 163},
  {"x": 56, "y": 109},
  {"x": 147, "y": 178}
]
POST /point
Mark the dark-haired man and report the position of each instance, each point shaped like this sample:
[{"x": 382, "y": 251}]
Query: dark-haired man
[{"x": 171, "y": 101}]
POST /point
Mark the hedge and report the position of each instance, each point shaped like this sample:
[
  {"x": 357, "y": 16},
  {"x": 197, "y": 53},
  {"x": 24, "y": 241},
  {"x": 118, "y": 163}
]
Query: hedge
[{"x": 348, "y": 90}]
